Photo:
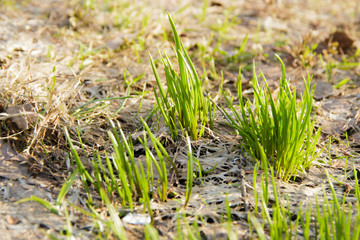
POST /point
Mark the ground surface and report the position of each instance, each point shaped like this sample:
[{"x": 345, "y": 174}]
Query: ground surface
[{"x": 98, "y": 48}]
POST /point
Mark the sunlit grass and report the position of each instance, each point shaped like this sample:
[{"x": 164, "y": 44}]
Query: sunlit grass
[
  {"x": 328, "y": 218},
  {"x": 183, "y": 105},
  {"x": 122, "y": 174},
  {"x": 280, "y": 128},
  {"x": 120, "y": 180}
]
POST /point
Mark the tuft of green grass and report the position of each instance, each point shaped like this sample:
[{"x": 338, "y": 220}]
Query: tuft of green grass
[
  {"x": 278, "y": 218},
  {"x": 183, "y": 104},
  {"x": 343, "y": 224},
  {"x": 332, "y": 218},
  {"x": 122, "y": 175},
  {"x": 281, "y": 129},
  {"x": 163, "y": 157}
]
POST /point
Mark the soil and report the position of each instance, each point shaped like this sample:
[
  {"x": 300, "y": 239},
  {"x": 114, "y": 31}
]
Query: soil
[{"x": 56, "y": 56}]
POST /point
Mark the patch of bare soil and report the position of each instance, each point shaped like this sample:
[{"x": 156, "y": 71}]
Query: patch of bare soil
[{"x": 56, "y": 56}]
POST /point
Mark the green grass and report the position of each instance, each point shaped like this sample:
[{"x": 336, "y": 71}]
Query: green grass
[
  {"x": 223, "y": 25},
  {"x": 121, "y": 174},
  {"x": 122, "y": 178},
  {"x": 61, "y": 208},
  {"x": 326, "y": 219},
  {"x": 164, "y": 159},
  {"x": 277, "y": 131},
  {"x": 343, "y": 224},
  {"x": 183, "y": 105},
  {"x": 280, "y": 128}
]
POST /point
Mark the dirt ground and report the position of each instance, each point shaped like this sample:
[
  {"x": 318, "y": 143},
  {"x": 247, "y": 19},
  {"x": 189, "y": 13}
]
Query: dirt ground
[{"x": 55, "y": 56}]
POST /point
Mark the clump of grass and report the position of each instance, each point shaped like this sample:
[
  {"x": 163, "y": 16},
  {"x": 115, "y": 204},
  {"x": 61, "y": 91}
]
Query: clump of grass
[
  {"x": 163, "y": 157},
  {"x": 123, "y": 175},
  {"x": 120, "y": 179},
  {"x": 277, "y": 219},
  {"x": 60, "y": 208},
  {"x": 337, "y": 218},
  {"x": 332, "y": 218},
  {"x": 281, "y": 129},
  {"x": 183, "y": 104}
]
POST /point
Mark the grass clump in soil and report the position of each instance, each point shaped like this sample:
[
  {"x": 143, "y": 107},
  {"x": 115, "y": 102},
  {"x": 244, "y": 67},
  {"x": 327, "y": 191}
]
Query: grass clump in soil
[
  {"x": 183, "y": 104},
  {"x": 331, "y": 217},
  {"x": 278, "y": 129},
  {"x": 122, "y": 174}
]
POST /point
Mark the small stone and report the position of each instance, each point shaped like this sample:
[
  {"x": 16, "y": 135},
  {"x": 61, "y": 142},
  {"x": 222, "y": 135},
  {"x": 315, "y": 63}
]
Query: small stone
[{"x": 11, "y": 220}]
